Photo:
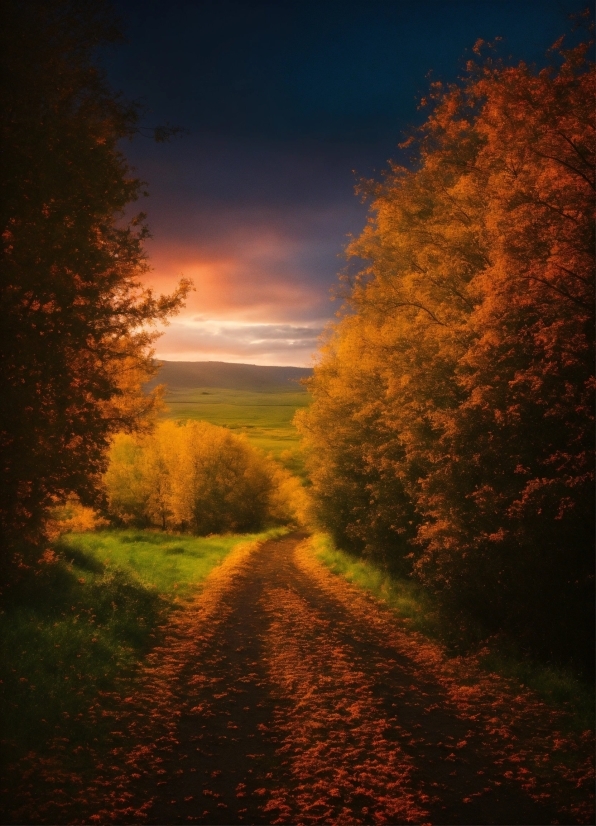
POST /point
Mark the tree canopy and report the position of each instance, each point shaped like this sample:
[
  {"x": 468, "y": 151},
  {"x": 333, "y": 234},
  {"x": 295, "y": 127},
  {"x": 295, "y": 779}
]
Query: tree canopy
[
  {"x": 75, "y": 341},
  {"x": 452, "y": 427}
]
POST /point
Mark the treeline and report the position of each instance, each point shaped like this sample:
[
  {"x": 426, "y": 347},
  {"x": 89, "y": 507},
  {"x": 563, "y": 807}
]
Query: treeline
[
  {"x": 200, "y": 478},
  {"x": 451, "y": 434}
]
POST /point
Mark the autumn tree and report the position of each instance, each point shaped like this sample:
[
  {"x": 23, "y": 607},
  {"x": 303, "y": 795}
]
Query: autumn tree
[
  {"x": 124, "y": 479},
  {"x": 198, "y": 477},
  {"x": 75, "y": 342},
  {"x": 520, "y": 475},
  {"x": 359, "y": 499},
  {"x": 463, "y": 370}
]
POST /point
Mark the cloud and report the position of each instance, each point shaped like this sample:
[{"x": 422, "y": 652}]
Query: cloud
[
  {"x": 249, "y": 268},
  {"x": 250, "y": 284},
  {"x": 200, "y": 339},
  {"x": 259, "y": 230}
]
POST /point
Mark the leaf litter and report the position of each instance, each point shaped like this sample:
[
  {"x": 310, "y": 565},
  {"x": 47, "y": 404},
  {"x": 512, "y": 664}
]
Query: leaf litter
[{"x": 282, "y": 694}]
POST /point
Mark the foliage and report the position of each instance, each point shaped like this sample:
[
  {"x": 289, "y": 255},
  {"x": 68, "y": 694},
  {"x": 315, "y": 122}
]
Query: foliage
[
  {"x": 75, "y": 343},
  {"x": 198, "y": 477},
  {"x": 452, "y": 426},
  {"x": 72, "y": 517},
  {"x": 359, "y": 500}
]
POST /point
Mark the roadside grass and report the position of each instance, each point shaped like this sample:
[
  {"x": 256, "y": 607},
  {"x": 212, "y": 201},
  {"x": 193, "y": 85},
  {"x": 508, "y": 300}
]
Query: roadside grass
[
  {"x": 403, "y": 596},
  {"x": 171, "y": 564},
  {"x": 559, "y": 687},
  {"x": 74, "y": 631}
]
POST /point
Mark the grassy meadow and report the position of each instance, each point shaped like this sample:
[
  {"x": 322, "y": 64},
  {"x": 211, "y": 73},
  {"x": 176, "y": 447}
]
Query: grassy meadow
[{"x": 80, "y": 624}]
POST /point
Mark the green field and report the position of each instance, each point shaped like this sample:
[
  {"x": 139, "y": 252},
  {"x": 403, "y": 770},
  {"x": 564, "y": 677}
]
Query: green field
[{"x": 264, "y": 417}]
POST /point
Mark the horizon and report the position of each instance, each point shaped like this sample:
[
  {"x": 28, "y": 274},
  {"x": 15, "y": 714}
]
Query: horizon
[{"x": 228, "y": 361}]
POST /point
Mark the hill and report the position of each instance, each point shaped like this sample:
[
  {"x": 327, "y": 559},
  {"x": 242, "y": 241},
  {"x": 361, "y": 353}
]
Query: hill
[{"x": 186, "y": 375}]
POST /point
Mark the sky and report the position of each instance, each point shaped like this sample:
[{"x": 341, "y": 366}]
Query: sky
[{"x": 287, "y": 105}]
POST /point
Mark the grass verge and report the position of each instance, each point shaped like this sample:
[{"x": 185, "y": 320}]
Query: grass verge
[
  {"x": 403, "y": 596},
  {"x": 77, "y": 627},
  {"x": 557, "y": 686}
]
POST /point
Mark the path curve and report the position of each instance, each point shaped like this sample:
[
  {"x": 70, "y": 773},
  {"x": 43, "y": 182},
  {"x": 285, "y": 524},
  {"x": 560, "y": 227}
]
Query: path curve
[{"x": 284, "y": 695}]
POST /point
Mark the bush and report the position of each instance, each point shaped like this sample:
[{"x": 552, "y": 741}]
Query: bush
[{"x": 201, "y": 478}]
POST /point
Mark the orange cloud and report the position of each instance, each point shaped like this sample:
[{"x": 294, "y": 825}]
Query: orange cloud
[
  {"x": 260, "y": 296},
  {"x": 254, "y": 281}
]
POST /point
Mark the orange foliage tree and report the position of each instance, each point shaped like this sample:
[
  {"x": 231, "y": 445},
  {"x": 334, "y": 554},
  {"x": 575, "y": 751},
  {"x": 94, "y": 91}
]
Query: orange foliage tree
[
  {"x": 75, "y": 345},
  {"x": 474, "y": 327}
]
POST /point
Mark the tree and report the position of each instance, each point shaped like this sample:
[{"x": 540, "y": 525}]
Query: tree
[
  {"x": 75, "y": 344},
  {"x": 463, "y": 370},
  {"x": 199, "y": 477},
  {"x": 124, "y": 479},
  {"x": 352, "y": 455},
  {"x": 511, "y": 513}
]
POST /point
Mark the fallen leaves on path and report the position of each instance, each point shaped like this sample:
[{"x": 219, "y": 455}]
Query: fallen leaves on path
[
  {"x": 284, "y": 695},
  {"x": 346, "y": 770}
]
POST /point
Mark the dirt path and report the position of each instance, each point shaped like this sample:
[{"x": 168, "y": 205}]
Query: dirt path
[{"x": 285, "y": 696}]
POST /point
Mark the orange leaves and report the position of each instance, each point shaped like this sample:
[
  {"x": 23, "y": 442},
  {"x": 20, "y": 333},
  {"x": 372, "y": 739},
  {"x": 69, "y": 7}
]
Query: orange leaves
[
  {"x": 336, "y": 732},
  {"x": 452, "y": 424},
  {"x": 518, "y": 733},
  {"x": 198, "y": 709},
  {"x": 322, "y": 709}
]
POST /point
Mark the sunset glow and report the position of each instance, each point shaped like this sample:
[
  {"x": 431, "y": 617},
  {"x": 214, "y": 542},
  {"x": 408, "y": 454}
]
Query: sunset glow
[
  {"x": 203, "y": 338},
  {"x": 254, "y": 298}
]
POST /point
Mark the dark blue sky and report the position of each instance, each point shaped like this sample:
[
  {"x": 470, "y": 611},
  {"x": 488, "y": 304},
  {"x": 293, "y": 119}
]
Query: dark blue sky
[{"x": 287, "y": 104}]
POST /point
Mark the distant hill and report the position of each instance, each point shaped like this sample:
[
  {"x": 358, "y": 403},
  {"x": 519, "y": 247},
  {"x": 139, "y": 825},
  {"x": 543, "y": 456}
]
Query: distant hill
[{"x": 185, "y": 375}]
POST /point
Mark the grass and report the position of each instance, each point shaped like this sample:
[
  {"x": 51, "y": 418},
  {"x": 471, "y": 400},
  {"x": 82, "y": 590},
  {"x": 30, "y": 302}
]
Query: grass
[
  {"x": 264, "y": 417},
  {"x": 81, "y": 623},
  {"x": 557, "y": 686},
  {"x": 173, "y": 565},
  {"x": 403, "y": 596}
]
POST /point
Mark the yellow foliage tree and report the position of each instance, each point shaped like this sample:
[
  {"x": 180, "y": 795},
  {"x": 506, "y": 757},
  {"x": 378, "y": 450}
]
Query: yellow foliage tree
[
  {"x": 199, "y": 477},
  {"x": 124, "y": 480},
  {"x": 220, "y": 483}
]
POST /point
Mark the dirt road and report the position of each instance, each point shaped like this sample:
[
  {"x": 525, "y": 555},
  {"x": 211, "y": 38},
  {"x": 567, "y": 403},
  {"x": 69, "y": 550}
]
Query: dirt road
[{"x": 285, "y": 696}]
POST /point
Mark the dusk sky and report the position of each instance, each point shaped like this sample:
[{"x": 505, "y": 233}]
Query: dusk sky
[{"x": 287, "y": 104}]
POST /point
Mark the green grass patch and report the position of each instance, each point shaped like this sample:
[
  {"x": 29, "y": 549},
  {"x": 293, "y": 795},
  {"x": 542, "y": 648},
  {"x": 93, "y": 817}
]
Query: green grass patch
[
  {"x": 401, "y": 595},
  {"x": 557, "y": 686},
  {"x": 172, "y": 565},
  {"x": 80, "y": 625}
]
